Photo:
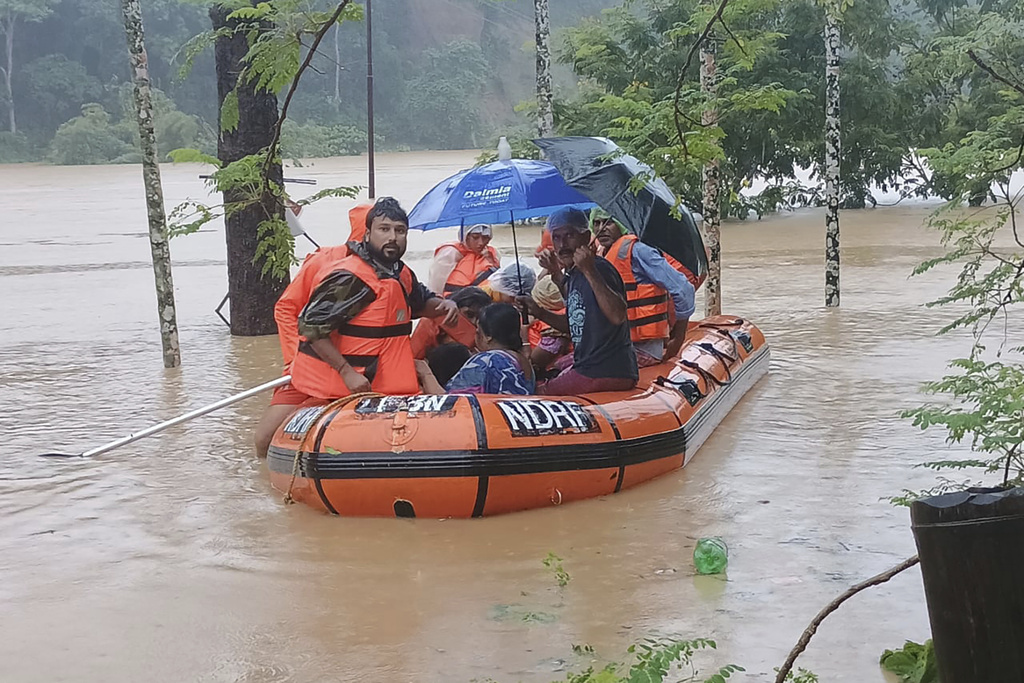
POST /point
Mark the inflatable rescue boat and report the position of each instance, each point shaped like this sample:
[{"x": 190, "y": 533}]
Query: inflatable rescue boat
[{"x": 460, "y": 455}]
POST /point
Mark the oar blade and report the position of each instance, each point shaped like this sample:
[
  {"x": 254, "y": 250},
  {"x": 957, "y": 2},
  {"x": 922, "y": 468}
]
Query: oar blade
[{"x": 60, "y": 455}]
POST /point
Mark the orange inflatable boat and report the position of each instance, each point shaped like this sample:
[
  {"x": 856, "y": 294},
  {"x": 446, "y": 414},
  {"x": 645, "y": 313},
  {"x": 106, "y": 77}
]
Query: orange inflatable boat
[{"x": 458, "y": 455}]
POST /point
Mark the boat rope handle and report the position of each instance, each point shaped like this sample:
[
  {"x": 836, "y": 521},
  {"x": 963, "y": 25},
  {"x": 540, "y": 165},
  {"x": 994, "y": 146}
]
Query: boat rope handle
[
  {"x": 717, "y": 326},
  {"x": 337, "y": 403},
  {"x": 694, "y": 395},
  {"x": 722, "y": 358},
  {"x": 714, "y": 351},
  {"x": 709, "y": 378},
  {"x": 728, "y": 335}
]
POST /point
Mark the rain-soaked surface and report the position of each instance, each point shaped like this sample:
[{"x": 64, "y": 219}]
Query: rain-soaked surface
[{"x": 173, "y": 560}]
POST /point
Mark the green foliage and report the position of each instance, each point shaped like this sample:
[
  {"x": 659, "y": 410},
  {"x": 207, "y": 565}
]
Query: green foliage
[
  {"x": 192, "y": 156},
  {"x": 229, "y": 112},
  {"x": 15, "y": 148},
  {"x": 522, "y": 148},
  {"x": 554, "y": 565},
  {"x": 984, "y": 394},
  {"x": 652, "y": 660},
  {"x": 309, "y": 140},
  {"x": 913, "y": 663},
  {"x": 90, "y": 139},
  {"x": 54, "y": 88},
  {"x": 631, "y": 60},
  {"x": 801, "y": 676},
  {"x": 443, "y": 97}
]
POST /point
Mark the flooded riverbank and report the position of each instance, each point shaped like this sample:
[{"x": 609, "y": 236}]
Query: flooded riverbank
[{"x": 172, "y": 559}]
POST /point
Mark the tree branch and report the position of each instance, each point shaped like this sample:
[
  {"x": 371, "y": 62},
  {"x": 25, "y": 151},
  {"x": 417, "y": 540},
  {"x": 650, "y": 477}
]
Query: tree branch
[
  {"x": 1020, "y": 154},
  {"x": 991, "y": 72},
  {"x": 686, "y": 66},
  {"x": 831, "y": 607},
  {"x": 275, "y": 141}
]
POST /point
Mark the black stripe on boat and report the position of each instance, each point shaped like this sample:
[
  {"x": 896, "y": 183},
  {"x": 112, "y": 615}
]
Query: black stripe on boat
[
  {"x": 481, "y": 496},
  {"x": 607, "y": 416},
  {"x": 313, "y": 459},
  {"x": 485, "y": 462}
]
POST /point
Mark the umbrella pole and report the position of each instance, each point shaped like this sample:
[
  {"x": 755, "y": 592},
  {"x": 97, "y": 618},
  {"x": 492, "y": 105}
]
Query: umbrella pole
[{"x": 519, "y": 273}]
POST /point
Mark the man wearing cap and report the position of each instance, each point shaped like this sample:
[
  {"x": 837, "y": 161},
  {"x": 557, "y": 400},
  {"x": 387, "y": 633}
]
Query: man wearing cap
[
  {"x": 466, "y": 263},
  {"x": 596, "y": 314},
  {"x": 651, "y": 285}
]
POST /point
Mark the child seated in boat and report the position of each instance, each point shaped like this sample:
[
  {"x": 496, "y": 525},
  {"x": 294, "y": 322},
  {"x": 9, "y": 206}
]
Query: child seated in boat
[
  {"x": 446, "y": 360},
  {"x": 501, "y": 367},
  {"x": 550, "y": 349}
]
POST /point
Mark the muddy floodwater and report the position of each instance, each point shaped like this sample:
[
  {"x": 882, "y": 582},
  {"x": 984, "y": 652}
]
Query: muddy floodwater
[{"x": 173, "y": 560}]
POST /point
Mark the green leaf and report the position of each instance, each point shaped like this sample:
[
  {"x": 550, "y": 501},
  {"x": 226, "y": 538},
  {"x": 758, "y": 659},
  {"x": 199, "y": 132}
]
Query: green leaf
[
  {"x": 229, "y": 112},
  {"x": 186, "y": 155}
]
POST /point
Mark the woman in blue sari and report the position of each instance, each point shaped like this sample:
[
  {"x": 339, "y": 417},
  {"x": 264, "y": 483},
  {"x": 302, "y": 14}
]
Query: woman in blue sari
[{"x": 500, "y": 368}]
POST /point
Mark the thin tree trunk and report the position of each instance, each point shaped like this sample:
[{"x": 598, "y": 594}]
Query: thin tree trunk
[
  {"x": 9, "y": 72},
  {"x": 711, "y": 177},
  {"x": 832, "y": 149},
  {"x": 252, "y": 294},
  {"x": 337, "y": 63},
  {"x": 545, "y": 115},
  {"x": 151, "y": 179}
]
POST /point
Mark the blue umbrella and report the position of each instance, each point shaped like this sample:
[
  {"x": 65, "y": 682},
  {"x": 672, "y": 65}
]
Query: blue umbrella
[{"x": 499, "y": 192}]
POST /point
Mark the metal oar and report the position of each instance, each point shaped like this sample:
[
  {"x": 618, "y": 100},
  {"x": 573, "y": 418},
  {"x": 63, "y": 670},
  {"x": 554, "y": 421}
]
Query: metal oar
[{"x": 174, "y": 421}]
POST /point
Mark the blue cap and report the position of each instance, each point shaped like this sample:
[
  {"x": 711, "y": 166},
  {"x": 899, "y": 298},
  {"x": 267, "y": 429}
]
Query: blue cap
[{"x": 569, "y": 217}]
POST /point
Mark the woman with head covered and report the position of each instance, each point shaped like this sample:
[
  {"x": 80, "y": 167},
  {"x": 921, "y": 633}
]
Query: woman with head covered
[{"x": 466, "y": 263}]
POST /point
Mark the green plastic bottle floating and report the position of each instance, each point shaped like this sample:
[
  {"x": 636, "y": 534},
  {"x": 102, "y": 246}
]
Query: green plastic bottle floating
[{"x": 710, "y": 556}]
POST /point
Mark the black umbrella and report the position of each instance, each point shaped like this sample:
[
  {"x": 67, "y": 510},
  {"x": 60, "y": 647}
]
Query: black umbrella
[{"x": 599, "y": 169}]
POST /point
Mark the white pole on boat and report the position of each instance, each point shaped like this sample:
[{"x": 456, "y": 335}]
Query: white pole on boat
[{"x": 149, "y": 431}]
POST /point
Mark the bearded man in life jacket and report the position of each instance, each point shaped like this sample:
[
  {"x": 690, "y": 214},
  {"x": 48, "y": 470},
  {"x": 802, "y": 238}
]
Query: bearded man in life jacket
[
  {"x": 353, "y": 330},
  {"x": 466, "y": 263}
]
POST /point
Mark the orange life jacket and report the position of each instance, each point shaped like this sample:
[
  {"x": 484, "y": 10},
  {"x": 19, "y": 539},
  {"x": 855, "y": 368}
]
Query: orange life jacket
[
  {"x": 647, "y": 306},
  {"x": 375, "y": 342},
  {"x": 472, "y": 269},
  {"x": 298, "y": 291},
  {"x": 694, "y": 280}
]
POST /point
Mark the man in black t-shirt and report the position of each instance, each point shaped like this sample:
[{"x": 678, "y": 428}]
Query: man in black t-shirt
[{"x": 595, "y": 317}]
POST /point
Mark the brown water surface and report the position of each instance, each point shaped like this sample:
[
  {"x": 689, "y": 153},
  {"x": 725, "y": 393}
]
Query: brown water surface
[{"x": 173, "y": 560}]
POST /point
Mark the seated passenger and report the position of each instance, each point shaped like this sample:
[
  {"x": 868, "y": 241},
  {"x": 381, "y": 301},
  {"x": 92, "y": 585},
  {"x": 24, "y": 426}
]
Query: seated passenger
[
  {"x": 509, "y": 282},
  {"x": 466, "y": 263},
  {"x": 500, "y": 368},
  {"x": 429, "y": 333},
  {"x": 596, "y": 320},
  {"x": 548, "y": 345},
  {"x": 446, "y": 360},
  {"x": 650, "y": 281},
  {"x": 286, "y": 314}
]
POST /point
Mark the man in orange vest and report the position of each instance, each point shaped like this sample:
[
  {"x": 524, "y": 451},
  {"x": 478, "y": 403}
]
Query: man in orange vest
[
  {"x": 286, "y": 314},
  {"x": 466, "y": 263},
  {"x": 353, "y": 332},
  {"x": 355, "y": 328},
  {"x": 651, "y": 282}
]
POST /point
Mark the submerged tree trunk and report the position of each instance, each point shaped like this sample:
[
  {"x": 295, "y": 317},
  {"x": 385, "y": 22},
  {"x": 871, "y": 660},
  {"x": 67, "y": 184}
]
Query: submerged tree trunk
[
  {"x": 832, "y": 149},
  {"x": 252, "y": 294},
  {"x": 545, "y": 114},
  {"x": 151, "y": 180},
  {"x": 337, "y": 63},
  {"x": 8, "y": 26},
  {"x": 712, "y": 218}
]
